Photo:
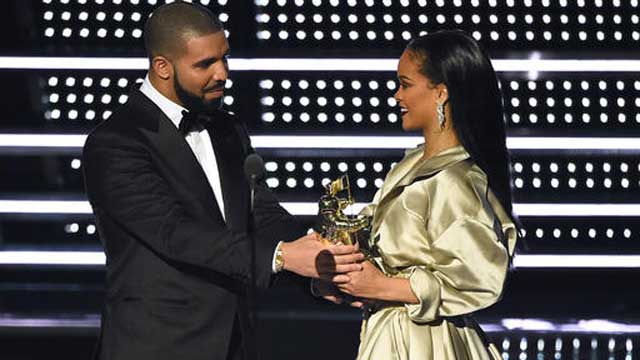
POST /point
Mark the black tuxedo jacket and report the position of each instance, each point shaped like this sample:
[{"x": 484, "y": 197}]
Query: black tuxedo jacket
[{"x": 177, "y": 274}]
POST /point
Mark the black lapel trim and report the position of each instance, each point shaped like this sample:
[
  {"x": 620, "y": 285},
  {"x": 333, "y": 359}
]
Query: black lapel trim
[
  {"x": 230, "y": 156},
  {"x": 175, "y": 151}
]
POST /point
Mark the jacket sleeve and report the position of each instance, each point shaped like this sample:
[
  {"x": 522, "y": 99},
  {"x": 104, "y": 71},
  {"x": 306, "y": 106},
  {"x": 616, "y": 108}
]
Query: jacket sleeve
[
  {"x": 271, "y": 222},
  {"x": 123, "y": 185}
]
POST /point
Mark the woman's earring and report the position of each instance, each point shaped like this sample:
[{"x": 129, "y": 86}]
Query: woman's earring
[{"x": 440, "y": 110}]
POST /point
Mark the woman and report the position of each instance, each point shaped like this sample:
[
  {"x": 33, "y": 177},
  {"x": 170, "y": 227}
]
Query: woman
[{"x": 442, "y": 230}]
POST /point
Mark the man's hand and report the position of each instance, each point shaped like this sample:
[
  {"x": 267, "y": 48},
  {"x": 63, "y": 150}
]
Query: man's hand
[{"x": 309, "y": 256}]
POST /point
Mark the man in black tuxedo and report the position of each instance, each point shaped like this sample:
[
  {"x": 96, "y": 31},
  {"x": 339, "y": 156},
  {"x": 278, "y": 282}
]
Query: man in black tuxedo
[{"x": 164, "y": 176}]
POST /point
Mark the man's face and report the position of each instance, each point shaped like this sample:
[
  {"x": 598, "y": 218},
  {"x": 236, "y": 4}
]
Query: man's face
[{"x": 201, "y": 72}]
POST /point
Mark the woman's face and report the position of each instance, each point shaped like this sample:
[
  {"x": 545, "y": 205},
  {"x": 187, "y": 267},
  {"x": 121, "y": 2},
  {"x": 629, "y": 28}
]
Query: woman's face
[{"x": 417, "y": 96}]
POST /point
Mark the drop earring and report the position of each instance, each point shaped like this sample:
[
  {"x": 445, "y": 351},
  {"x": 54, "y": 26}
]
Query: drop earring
[{"x": 441, "y": 118}]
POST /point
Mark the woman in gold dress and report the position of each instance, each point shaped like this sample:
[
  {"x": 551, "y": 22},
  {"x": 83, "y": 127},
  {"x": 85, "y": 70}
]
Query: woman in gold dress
[{"x": 442, "y": 228}]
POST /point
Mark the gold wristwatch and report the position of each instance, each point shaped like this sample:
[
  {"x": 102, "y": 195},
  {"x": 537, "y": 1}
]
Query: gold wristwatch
[{"x": 279, "y": 258}]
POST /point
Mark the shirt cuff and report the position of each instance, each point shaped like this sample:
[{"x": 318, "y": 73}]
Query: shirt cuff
[{"x": 273, "y": 259}]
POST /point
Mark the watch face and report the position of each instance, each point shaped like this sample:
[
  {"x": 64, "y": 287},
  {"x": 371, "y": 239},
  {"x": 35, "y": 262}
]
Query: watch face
[{"x": 279, "y": 260}]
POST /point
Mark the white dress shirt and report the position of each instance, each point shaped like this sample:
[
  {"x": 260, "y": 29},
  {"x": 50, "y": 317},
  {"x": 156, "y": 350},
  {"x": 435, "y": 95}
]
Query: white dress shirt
[{"x": 199, "y": 141}]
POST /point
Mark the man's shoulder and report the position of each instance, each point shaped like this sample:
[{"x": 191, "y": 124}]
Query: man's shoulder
[{"x": 122, "y": 123}]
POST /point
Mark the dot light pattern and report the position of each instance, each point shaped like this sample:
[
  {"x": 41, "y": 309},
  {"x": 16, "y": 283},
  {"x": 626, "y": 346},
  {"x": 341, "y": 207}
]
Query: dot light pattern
[
  {"x": 304, "y": 178},
  {"x": 338, "y": 102},
  {"x": 536, "y": 178},
  {"x": 508, "y": 25},
  {"x": 576, "y": 235},
  {"x": 578, "y": 178},
  {"x": 566, "y": 346},
  {"x": 364, "y": 102},
  {"x": 552, "y": 103},
  {"x": 569, "y": 235},
  {"x": 564, "y": 101},
  {"x": 102, "y": 25},
  {"x": 345, "y": 25},
  {"x": 85, "y": 99}
]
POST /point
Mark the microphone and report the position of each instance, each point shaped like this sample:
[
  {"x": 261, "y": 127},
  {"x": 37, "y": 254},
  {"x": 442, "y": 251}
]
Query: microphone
[{"x": 254, "y": 169}]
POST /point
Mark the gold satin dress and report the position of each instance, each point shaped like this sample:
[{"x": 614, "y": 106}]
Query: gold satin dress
[{"x": 436, "y": 223}]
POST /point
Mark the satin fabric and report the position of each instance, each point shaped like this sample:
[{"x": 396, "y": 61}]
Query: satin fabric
[{"x": 436, "y": 223}]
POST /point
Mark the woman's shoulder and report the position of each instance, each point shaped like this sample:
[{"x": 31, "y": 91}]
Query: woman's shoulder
[{"x": 458, "y": 189}]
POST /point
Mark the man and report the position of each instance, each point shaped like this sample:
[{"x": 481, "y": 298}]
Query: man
[{"x": 172, "y": 206}]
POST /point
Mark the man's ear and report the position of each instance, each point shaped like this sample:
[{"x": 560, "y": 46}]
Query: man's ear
[{"x": 162, "y": 67}]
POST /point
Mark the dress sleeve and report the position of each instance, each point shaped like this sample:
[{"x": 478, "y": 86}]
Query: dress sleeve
[
  {"x": 468, "y": 272},
  {"x": 467, "y": 275}
]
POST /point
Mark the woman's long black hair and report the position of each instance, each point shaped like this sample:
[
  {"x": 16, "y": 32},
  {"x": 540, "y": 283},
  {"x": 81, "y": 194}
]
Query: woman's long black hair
[{"x": 457, "y": 60}]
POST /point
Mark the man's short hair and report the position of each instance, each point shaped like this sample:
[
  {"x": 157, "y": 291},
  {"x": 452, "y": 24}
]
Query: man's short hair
[{"x": 170, "y": 26}]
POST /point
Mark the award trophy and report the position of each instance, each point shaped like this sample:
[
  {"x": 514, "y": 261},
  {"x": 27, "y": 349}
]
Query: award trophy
[{"x": 335, "y": 226}]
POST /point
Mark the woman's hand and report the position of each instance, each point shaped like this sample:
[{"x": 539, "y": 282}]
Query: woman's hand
[
  {"x": 371, "y": 284},
  {"x": 366, "y": 283},
  {"x": 330, "y": 292}
]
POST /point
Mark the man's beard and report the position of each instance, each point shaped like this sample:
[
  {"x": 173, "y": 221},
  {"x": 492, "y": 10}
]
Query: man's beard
[{"x": 192, "y": 102}]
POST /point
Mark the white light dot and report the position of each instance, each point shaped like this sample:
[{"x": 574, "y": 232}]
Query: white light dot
[
  {"x": 519, "y": 183},
  {"x": 309, "y": 183},
  {"x": 536, "y": 183},
  {"x": 268, "y": 117},
  {"x": 76, "y": 163},
  {"x": 72, "y": 228},
  {"x": 290, "y": 166}
]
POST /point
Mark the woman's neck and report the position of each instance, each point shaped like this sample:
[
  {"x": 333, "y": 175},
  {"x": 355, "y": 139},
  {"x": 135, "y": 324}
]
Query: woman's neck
[{"x": 437, "y": 142}]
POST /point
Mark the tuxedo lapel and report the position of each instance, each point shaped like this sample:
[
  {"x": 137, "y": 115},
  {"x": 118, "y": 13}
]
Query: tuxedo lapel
[
  {"x": 176, "y": 153},
  {"x": 230, "y": 157}
]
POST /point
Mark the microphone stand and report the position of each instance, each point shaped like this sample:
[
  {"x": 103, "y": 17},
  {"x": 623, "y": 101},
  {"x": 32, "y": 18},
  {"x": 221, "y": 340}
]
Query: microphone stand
[
  {"x": 252, "y": 252},
  {"x": 254, "y": 170}
]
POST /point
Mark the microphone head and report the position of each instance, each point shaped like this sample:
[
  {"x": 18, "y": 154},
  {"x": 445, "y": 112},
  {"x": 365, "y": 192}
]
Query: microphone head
[{"x": 254, "y": 167}]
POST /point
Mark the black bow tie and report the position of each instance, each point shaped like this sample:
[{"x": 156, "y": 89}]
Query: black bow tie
[{"x": 192, "y": 121}]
